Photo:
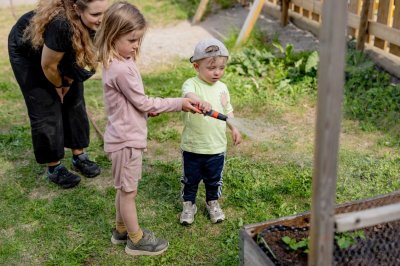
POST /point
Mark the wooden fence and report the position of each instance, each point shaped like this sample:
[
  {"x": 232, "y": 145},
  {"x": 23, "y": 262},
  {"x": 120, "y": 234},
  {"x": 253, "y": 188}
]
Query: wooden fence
[{"x": 381, "y": 24}]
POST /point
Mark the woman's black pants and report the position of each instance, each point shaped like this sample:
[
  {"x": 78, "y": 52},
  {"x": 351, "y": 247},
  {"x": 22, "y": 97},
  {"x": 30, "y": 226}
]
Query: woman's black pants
[{"x": 54, "y": 125}]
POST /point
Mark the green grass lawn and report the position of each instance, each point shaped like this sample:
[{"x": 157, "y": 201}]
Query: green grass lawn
[{"x": 265, "y": 177}]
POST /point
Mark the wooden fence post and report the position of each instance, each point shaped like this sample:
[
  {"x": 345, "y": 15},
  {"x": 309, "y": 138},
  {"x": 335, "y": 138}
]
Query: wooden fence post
[
  {"x": 250, "y": 21},
  {"x": 316, "y": 16},
  {"x": 330, "y": 94},
  {"x": 200, "y": 11},
  {"x": 395, "y": 49},
  {"x": 285, "y": 12},
  {"x": 363, "y": 28},
  {"x": 354, "y": 7},
  {"x": 371, "y": 16},
  {"x": 382, "y": 17}
]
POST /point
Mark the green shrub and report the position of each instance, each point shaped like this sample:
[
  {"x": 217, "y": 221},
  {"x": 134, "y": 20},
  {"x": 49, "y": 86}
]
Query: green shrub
[{"x": 370, "y": 97}]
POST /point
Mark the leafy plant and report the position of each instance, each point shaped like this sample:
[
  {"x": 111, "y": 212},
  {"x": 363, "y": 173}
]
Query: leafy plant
[
  {"x": 251, "y": 62},
  {"x": 371, "y": 96},
  {"x": 295, "y": 245},
  {"x": 345, "y": 240}
]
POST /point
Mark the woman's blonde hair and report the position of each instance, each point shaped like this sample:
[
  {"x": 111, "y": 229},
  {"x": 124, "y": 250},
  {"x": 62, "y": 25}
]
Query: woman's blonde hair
[
  {"x": 48, "y": 10},
  {"x": 120, "y": 18}
]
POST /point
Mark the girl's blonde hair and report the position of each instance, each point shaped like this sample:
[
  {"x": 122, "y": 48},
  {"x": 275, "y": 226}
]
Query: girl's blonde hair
[
  {"x": 120, "y": 19},
  {"x": 82, "y": 43}
]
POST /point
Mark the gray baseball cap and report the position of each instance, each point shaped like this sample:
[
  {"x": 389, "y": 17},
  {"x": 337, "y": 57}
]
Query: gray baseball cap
[{"x": 209, "y": 48}]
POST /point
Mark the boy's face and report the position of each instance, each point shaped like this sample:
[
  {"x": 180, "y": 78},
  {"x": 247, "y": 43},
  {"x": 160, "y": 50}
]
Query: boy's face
[{"x": 211, "y": 69}]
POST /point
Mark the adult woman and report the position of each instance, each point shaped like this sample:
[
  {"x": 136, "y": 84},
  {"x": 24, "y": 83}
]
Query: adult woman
[{"x": 49, "y": 49}]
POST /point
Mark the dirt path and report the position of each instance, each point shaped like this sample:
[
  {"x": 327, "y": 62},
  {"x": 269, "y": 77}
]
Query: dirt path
[{"x": 162, "y": 46}]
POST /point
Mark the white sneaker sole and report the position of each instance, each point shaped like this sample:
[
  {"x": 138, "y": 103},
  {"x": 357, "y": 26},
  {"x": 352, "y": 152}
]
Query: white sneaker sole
[
  {"x": 117, "y": 242},
  {"x": 218, "y": 219},
  {"x": 144, "y": 253}
]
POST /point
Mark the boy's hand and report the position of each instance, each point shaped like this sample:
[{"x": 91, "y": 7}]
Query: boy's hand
[
  {"x": 236, "y": 136},
  {"x": 189, "y": 105},
  {"x": 204, "y": 106}
]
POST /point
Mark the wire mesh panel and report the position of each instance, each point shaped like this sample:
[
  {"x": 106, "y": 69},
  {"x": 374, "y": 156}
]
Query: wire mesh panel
[
  {"x": 375, "y": 245},
  {"x": 286, "y": 242}
]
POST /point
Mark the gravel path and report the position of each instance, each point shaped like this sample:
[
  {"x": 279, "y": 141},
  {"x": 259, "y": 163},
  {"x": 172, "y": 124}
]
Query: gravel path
[{"x": 162, "y": 46}]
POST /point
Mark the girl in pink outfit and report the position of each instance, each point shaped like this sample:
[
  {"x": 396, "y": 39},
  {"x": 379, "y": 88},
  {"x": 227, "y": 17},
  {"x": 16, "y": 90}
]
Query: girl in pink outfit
[{"x": 127, "y": 108}]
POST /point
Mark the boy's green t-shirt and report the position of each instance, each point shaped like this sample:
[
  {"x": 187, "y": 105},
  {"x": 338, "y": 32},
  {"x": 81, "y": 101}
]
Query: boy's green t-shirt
[{"x": 203, "y": 134}]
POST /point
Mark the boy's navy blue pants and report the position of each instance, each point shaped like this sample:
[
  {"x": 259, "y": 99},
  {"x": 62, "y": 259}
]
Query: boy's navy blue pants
[{"x": 206, "y": 167}]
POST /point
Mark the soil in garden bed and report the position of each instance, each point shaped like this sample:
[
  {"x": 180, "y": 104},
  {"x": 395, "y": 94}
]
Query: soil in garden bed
[{"x": 381, "y": 246}]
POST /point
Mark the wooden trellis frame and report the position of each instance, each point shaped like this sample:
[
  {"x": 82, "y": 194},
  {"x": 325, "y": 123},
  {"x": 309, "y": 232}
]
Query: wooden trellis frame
[
  {"x": 330, "y": 94},
  {"x": 200, "y": 11},
  {"x": 248, "y": 25}
]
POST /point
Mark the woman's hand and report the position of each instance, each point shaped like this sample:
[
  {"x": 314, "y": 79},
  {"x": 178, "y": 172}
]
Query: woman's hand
[{"x": 61, "y": 91}]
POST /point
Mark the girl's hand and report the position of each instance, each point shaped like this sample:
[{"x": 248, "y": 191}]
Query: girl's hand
[
  {"x": 153, "y": 114},
  {"x": 189, "y": 105},
  {"x": 236, "y": 136}
]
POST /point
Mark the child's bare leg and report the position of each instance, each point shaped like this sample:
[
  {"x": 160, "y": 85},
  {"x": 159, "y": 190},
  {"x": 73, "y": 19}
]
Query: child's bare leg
[
  {"x": 120, "y": 225},
  {"x": 127, "y": 210}
]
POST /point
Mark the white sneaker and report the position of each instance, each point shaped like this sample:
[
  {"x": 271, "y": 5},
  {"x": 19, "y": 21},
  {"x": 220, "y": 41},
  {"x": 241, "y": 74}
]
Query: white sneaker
[
  {"x": 215, "y": 211},
  {"x": 188, "y": 212}
]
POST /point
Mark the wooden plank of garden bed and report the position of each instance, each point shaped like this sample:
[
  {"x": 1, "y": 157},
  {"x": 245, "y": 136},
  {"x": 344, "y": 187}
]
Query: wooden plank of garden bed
[
  {"x": 250, "y": 253},
  {"x": 360, "y": 219},
  {"x": 330, "y": 95}
]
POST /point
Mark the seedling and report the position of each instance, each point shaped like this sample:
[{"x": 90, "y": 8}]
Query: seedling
[
  {"x": 345, "y": 240},
  {"x": 295, "y": 245}
]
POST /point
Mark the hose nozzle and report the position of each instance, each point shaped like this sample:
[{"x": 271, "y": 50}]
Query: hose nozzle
[{"x": 214, "y": 114}]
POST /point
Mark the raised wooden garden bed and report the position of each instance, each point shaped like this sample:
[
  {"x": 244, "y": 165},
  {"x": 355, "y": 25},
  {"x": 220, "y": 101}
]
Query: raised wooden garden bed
[{"x": 261, "y": 244}]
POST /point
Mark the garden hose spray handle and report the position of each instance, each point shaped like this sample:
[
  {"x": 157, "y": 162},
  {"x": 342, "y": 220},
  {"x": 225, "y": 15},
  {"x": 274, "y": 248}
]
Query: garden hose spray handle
[{"x": 214, "y": 114}]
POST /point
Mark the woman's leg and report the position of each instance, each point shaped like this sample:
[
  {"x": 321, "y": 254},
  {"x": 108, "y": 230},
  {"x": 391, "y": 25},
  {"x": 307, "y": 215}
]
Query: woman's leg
[
  {"x": 76, "y": 130},
  {"x": 75, "y": 120}
]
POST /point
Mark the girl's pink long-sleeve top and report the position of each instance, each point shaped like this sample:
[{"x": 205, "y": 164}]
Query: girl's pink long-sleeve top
[{"x": 127, "y": 106}]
